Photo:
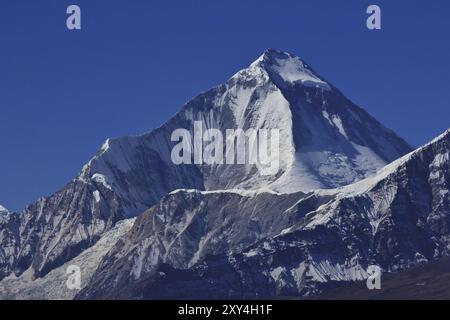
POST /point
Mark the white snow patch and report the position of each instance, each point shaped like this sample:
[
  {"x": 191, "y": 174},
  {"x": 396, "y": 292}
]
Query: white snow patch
[
  {"x": 440, "y": 159},
  {"x": 3, "y": 209},
  {"x": 292, "y": 70},
  {"x": 96, "y": 195},
  {"x": 241, "y": 192},
  {"x": 251, "y": 253},
  {"x": 275, "y": 273}
]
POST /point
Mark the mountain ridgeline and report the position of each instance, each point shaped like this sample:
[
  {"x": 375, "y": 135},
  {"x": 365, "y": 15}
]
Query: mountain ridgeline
[
  {"x": 202, "y": 245},
  {"x": 327, "y": 213}
]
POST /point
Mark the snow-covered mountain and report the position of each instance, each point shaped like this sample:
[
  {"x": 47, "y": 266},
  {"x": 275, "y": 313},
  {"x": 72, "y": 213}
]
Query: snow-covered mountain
[
  {"x": 3, "y": 210},
  {"x": 53, "y": 284},
  {"x": 9, "y": 240},
  {"x": 234, "y": 244},
  {"x": 326, "y": 142}
]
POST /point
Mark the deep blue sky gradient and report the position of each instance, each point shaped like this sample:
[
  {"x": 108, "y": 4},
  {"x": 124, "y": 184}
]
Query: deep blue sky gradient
[{"x": 135, "y": 63}]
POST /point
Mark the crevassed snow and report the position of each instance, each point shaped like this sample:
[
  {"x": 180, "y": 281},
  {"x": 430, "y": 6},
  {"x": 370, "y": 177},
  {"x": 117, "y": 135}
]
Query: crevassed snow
[
  {"x": 320, "y": 169},
  {"x": 364, "y": 185},
  {"x": 323, "y": 214},
  {"x": 290, "y": 68}
]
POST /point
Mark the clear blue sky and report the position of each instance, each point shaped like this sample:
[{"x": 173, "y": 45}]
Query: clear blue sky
[{"x": 135, "y": 63}]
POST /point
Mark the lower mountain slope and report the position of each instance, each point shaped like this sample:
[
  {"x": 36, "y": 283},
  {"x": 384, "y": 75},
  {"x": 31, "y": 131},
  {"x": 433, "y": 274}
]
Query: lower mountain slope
[
  {"x": 263, "y": 244},
  {"x": 428, "y": 281}
]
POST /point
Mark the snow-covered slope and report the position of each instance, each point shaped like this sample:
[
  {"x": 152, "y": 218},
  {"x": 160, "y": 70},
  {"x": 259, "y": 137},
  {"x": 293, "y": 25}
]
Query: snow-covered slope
[
  {"x": 325, "y": 141},
  {"x": 229, "y": 244},
  {"x": 3, "y": 209},
  {"x": 53, "y": 285}
]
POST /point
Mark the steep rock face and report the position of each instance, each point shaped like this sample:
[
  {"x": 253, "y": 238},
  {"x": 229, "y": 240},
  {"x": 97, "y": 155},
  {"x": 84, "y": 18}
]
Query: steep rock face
[
  {"x": 61, "y": 226},
  {"x": 9, "y": 240},
  {"x": 188, "y": 225},
  {"x": 53, "y": 285},
  {"x": 325, "y": 141},
  {"x": 269, "y": 244}
]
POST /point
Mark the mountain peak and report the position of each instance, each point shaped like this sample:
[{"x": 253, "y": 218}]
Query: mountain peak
[
  {"x": 272, "y": 53},
  {"x": 289, "y": 68},
  {"x": 325, "y": 141}
]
